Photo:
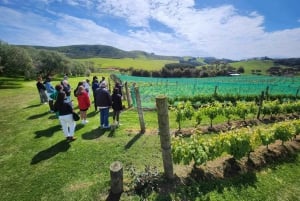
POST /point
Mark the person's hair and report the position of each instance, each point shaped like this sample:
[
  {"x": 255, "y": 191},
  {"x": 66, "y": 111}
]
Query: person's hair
[
  {"x": 65, "y": 82},
  {"x": 80, "y": 90},
  {"x": 58, "y": 87},
  {"x": 80, "y": 84}
]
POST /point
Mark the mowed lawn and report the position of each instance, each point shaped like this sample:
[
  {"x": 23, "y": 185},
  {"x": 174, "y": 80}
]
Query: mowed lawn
[{"x": 36, "y": 163}]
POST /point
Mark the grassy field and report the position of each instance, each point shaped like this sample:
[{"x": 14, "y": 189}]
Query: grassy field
[
  {"x": 254, "y": 65},
  {"x": 36, "y": 163},
  {"x": 138, "y": 63},
  {"x": 151, "y": 64}
]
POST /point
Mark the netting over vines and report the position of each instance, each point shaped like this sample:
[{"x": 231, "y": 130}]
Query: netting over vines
[{"x": 238, "y": 85}]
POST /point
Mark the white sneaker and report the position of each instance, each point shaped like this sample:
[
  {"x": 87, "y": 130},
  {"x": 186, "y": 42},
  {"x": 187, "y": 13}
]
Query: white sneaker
[
  {"x": 86, "y": 121},
  {"x": 83, "y": 122}
]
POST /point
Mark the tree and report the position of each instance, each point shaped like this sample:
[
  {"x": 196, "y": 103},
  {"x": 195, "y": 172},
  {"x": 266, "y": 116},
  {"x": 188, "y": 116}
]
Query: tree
[
  {"x": 15, "y": 61},
  {"x": 50, "y": 62}
]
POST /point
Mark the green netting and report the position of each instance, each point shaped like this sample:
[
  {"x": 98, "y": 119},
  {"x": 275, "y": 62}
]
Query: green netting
[{"x": 243, "y": 85}]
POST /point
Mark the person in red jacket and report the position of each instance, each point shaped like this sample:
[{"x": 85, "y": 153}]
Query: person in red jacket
[{"x": 83, "y": 103}]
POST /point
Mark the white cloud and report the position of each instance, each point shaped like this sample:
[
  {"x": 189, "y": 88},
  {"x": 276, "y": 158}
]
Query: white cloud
[
  {"x": 135, "y": 12},
  {"x": 221, "y": 31}
]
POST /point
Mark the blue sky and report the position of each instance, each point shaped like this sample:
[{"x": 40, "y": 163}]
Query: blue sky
[{"x": 233, "y": 29}]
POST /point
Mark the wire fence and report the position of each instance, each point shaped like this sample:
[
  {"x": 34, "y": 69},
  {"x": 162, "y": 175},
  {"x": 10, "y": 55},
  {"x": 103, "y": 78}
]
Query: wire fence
[{"x": 150, "y": 87}]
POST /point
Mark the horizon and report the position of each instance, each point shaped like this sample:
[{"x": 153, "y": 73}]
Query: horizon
[{"x": 226, "y": 29}]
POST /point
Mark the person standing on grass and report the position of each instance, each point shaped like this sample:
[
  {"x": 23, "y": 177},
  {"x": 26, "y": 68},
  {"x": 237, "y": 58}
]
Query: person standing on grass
[
  {"x": 116, "y": 105},
  {"x": 67, "y": 89},
  {"x": 103, "y": 101},
  {"x": 50, "y": 90},
  {"x": 53, "y": 96},
  {"x": 95, "y": 86},
  {"x": 83, "y": 103},
  {"x": 119, "y": 86},
  {"x": 42, "y": 90},
  {"x": 86, "y": 85},
  {"x": 65, "y": 116}
]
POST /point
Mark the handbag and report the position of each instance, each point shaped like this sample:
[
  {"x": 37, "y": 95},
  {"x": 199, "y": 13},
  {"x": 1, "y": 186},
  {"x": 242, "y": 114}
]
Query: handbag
[{"x": 75, "y": 116}]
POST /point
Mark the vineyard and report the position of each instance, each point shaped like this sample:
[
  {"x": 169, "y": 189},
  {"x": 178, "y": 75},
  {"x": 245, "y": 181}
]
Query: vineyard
[{"x": 187, "y": 88}]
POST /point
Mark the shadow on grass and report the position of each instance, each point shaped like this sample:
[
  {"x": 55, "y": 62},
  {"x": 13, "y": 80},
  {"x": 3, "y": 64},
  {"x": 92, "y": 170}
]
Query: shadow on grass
[
  {"x": 133, "y": 140},
  {"x": 36, "y": 116},
  {"x": 94, "y": 134},
  {"x": 113, "y": 197},
  {"x": 9, "y": 84},
  {"x": 53, "y": 116},
  {"x": 32, "y": 106},
  {"x": 192, "y": 190},
  {"x": 47, "y": 132},
  {"x": 61, "y": 146},
  {"x": 92, "y": 114}
]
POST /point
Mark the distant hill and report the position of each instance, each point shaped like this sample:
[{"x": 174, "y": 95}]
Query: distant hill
[
  {"x": 251, "y": 66},
  {"x": 103, "y": 51}
]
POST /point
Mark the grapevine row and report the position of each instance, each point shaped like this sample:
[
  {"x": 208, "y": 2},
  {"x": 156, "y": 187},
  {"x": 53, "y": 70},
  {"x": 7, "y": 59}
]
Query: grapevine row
[
  {"x": 236, "y": 143},
  {"x": 185, "y": 110}
]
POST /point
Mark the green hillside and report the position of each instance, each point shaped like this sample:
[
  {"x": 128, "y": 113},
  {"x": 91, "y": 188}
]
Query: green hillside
[
  {"x": 254, "y": 65},
  {"x": 125, "y": 63}
]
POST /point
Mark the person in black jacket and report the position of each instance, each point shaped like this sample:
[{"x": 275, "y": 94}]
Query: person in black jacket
[
  {"x": 95, "y": 86},
  {"x": 42, "y": 90},
  {"x": 103, "y": 102},
  {"x": 65, "y": 111},
  {"x": 116, "y": 105}
]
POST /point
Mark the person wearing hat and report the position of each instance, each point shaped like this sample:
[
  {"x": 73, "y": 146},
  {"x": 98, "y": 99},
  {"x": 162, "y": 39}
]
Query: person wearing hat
[{"x": 103, "y": 102}]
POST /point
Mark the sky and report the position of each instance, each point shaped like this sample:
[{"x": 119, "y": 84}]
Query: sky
[{"x": 231, "y": 29}]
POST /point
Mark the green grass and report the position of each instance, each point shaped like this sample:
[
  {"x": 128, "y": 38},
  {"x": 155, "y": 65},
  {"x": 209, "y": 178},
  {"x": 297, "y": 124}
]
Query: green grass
[
  {"x": 138, "y": 63},
  {"x": 254, "y": 65},
  {"x": 37, "y": 164}
]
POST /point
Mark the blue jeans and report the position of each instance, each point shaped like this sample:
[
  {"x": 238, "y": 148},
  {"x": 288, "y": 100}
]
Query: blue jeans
[{"x": 104, "y": 114}]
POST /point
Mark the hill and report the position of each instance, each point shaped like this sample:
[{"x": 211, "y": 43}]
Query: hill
[{"x": 103, "y": 51}]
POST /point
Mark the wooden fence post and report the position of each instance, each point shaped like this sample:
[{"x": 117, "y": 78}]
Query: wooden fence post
[
  {"x": 260, "y": 104},
  {"x": 116, "y": 177},
  {"x": 127, "y": 95},
  {"x": 164, "y": 133},
  {"x": 267, "y": 93},
  {"x": 216, "y": 91},
  {"x": 140, "y": 109}
]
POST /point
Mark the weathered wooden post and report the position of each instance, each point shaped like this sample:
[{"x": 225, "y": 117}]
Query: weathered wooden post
[
  {"x": 267, "y": 93},
  {"x": 127, "y": 95},
  {"x": 164, "y": 133},
  {"x": 140, "y": 109},
  {"x": 216, "y": 89},
  {"x": 116, "y": 177},
  {"x": 260, "y": 104}
]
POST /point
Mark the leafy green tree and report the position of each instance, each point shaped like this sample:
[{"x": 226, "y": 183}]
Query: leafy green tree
[
  {"x": 15, "y": 61},
  {"x": 51, "y": 62}
]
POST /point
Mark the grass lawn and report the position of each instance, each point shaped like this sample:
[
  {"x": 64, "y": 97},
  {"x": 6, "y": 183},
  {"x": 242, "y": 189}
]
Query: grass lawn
[{"x": 36, "y": 163}]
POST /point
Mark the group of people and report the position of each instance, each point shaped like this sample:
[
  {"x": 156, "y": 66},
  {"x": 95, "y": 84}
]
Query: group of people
[{"x": 59, "y": 100}]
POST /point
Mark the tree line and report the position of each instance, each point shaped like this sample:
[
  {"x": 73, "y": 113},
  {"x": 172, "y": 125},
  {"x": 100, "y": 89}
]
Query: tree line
[
  {"x": 189, "y": 70},
  {"x": 31, "y": 62}
]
